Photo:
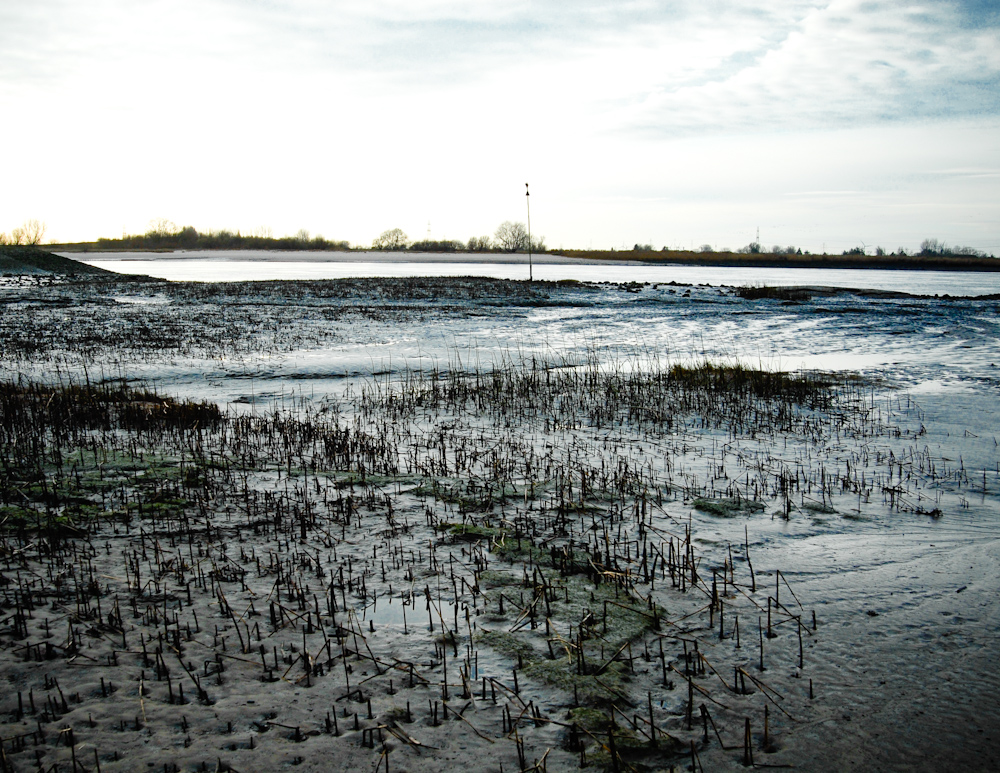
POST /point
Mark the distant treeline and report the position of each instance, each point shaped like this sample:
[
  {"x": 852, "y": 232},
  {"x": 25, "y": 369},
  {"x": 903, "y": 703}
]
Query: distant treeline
[
  {"x": 164, "y": 236},
  {"x": 850, "y": 259},
  {"x": 190, "y": 239},
  {"x": 227, "y": 240},
  {"x": 509, "y": 237}
]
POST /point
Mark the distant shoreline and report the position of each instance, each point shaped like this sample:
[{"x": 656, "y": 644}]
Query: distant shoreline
[
  {"x": 762, "y": 260},
  {"x": 591, "y": 257}
]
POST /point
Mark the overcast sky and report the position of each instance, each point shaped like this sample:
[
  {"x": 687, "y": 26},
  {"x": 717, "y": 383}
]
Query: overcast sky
[{"x": 824, "y": 124}]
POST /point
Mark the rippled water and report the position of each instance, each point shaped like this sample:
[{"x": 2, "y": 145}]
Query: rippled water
[
  {"x": 295, "y": 337},
  {"x": 923, "y": 345}
]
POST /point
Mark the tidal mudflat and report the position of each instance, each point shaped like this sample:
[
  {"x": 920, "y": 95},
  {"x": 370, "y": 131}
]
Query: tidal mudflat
[{"x": 417, "y": 524}]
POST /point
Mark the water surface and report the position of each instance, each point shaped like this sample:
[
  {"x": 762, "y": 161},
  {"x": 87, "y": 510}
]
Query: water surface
[{"x": 240, "y": 266}]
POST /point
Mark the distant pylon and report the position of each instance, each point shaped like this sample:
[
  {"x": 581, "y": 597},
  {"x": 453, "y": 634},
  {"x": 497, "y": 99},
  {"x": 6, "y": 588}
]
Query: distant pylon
[{"x": 527, "y": 202}]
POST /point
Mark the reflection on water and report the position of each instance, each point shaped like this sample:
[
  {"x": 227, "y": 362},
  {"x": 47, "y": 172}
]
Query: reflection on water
[{"x": 412, "y": 611}]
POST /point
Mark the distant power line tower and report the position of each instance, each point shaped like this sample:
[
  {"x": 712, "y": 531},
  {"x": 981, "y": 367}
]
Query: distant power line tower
[{"x": 527, "y": 202}]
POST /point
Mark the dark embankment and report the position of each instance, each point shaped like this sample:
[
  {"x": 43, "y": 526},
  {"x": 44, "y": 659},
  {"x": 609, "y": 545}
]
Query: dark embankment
[{"x": 30, "y": 260}]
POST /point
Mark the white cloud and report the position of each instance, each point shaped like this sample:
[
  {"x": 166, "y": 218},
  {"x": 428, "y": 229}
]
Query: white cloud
[{"x": 851, "y": 63}]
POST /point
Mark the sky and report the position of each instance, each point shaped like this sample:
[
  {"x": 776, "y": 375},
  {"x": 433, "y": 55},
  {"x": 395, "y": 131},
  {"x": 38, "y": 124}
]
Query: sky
[{"x": 824, "y": 125}]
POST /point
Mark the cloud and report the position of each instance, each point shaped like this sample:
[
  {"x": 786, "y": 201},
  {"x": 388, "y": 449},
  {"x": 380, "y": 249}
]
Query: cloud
[
  {"x": 849, "y": 62},
  {"x": 637, "y": 65},
  {"x": 430, "y": 38}
]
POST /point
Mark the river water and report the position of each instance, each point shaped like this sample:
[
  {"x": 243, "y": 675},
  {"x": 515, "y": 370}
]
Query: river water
[
  {"x": 922, "y": 344},
  {"x": 232, "y": 266}
]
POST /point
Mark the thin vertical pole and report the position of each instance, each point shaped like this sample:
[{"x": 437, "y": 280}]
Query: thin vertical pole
[{"x": 527, "y": 201}]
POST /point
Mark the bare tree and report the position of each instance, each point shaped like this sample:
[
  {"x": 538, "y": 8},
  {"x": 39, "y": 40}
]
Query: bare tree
[
  {"x": 31, "y": 232},
  {"x": 160, "y": 226},
  {"x": 931, "y": 247},
  {"x": 393, "y": 239},
  {"x": 512, "y": 237},
  {"x": 480, "y": 244},
  {"x": 35, "y": 231},
  {"x": 934, "y": 247}
]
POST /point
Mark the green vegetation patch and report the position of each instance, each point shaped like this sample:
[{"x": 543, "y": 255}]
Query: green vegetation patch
[
  {"x": 737, "y": 379},
  {"x": 760, "y": 292},
  {"x": 71, "y": 407},
  {"x": 513, "y": 547},
  {"x": 492, "y": 578},
  {"x": 597, "y": 689},
  {"x": 818, "y": 508},
  {"x": 594, "y": 729},
  {"x": 508, "y": 644},
  {"x": 728, "y": 508},
  {"x": 468, "y": 532},
  {"x": 590, "y": 719},
  {"x": 602, "y": 619},
  {"x": 18, "y": 515},
  {"x": 467, "y": 497}
]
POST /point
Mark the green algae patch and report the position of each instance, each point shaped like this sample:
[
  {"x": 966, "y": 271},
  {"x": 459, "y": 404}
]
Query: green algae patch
[
  {"x": 467, "y": 495},
  {"x": 606, "y": 687},
  {"x": 597, "y": 732},
  {"x": 507, "y": 644},
  {"x": 818, "y": 508},
  {"x": 728, "y": 508},
  {"x": 516, "y": 547},
  {"x": 590, "y": 719},
  {"x": 566, "y": 632},
  {"x": 492, "y": 578},
  {"x": 468, "y": 532},
  {"x": 18, "y": 515}
]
